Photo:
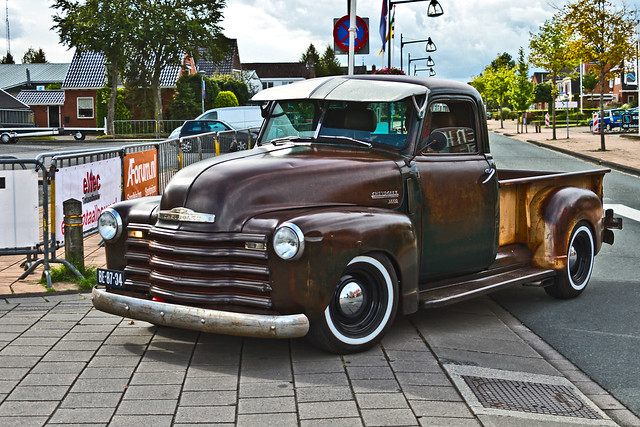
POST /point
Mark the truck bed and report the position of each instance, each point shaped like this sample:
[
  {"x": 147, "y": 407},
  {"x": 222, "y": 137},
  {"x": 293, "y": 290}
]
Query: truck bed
[{"x": 519, "y": 188}]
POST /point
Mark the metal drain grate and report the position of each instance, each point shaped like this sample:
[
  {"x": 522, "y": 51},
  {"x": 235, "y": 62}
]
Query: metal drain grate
[{"x": 537, "y": 398}]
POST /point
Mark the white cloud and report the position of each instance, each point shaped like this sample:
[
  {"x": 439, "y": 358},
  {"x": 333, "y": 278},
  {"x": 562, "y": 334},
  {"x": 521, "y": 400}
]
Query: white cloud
[
  {"x": 469, "y": 35},
  {"x": 30, "y": 26}
]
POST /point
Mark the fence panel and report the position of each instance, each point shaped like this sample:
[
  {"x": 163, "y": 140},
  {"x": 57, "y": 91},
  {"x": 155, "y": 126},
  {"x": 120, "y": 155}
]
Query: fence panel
[
  {"x": 157, "y": 128},
  {"x": 170, "y": 156}
]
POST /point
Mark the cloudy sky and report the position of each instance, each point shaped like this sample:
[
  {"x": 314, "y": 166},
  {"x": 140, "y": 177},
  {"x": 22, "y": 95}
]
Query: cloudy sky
[{"x": 468, "y": 36}]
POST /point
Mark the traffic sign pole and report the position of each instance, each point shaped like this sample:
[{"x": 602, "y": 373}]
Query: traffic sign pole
[{"x": 352, "y": 36}]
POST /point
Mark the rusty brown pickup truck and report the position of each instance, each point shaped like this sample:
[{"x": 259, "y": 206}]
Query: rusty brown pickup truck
[{"x": 365, "y": 197}]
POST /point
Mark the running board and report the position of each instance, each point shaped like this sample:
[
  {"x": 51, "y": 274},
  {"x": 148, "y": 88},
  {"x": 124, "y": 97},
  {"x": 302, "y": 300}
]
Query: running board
[{"x": 473, "y": 286}]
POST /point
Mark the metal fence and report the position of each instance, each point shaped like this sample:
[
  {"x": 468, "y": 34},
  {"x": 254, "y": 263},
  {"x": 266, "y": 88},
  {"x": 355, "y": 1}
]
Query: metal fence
[
  {"x": 172, "y": 155},
  {"x": 157, "y": 128},
  {"x": 41, "y": 245},
  {"x": 206, "y": 145}
]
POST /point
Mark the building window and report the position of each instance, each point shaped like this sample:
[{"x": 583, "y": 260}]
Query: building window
[{"x": 85, "y": 108}]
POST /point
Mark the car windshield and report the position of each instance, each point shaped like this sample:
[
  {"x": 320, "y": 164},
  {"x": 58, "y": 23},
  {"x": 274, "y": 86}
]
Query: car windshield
[{"x": 377, "y": 123}]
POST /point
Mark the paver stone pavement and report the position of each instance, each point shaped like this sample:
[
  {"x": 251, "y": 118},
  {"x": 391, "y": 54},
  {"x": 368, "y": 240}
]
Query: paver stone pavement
[{"x": 469, "y": 364}]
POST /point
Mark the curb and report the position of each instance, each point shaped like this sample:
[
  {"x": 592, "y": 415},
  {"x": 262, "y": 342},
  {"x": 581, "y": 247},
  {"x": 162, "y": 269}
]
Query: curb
[
  {"x": 612, "y": 165},
  {"x": 45, "y": 294}
]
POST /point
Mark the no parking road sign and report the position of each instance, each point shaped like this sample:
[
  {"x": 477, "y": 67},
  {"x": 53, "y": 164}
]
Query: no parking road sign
[{"x": 341, "y": 35}]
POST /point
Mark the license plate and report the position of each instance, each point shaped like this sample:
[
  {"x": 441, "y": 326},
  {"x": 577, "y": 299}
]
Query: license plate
[{"x": 110, "y": 278}]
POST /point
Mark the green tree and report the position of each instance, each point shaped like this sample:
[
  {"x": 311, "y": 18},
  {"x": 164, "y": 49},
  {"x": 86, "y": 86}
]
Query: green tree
[
  {"x": 329, "y": 64},
  {"x": 165, "y": 30},
  {"x": 102, "y": 102},
  {"x": 225, "y": 98},
  {"x": 602, "y": 34},
  {"x": 239, "y": 88},
  {"x": 521, "y": 90},
  {"x": 543, "y": 93},
  {"x": 100, "y": 26},
  {"x": 32, "y": 56},
  {"x": 589, "y": 82},
  {"x": 7, "y": 59},
  {"x": 311, "y": 58},
  {"x": 550, "y": 50},
  {"x": 504, "y": 60},
  {"x": 497, "y": 83},
  {"x": 187, "y": 100}
]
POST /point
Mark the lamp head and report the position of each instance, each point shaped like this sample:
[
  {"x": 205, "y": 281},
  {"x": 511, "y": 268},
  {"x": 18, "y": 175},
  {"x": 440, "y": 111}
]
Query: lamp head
[
  {"x": 434, "y": 9},
  {"x": 431, "y": 46}
]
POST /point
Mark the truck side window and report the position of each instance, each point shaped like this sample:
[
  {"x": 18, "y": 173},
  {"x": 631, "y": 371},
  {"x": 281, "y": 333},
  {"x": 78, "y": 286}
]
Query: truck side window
[{"x": 455, "y": 119}]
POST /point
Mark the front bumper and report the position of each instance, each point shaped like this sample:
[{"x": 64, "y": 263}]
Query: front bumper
[{"x": 201, "y": 319}]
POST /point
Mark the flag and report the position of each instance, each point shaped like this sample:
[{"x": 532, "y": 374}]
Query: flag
[
  {"x": 392, "y": 23},
  {"x": 204, "y": 92},
  {"x": 383, "y": 25}
]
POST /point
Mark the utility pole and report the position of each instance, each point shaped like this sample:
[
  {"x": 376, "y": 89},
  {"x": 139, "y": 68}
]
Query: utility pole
[{"x": 8, "y": 34}]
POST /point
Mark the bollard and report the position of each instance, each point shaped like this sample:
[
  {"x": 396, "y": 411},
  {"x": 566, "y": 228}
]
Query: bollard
[{"x": 73, "y": 234}]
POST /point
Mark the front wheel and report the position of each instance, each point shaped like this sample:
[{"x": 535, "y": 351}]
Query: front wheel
[
  {"x": 570, "y": 282},
  {"x": 362, "y": 308}
]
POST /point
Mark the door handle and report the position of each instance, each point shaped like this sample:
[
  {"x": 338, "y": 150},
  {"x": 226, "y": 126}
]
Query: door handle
[{"x": 490, "y": 172}]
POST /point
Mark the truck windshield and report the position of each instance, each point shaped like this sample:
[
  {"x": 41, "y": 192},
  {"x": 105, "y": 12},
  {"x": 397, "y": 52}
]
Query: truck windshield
[{"x": 378, "y": 123}]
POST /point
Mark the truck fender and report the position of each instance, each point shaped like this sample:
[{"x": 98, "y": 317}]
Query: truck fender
[
  {"x": 557, "y": 211},
  {"x": 332, "y": 238}
]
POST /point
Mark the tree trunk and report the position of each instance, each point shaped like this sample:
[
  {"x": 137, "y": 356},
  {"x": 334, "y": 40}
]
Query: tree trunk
[
  {"x": 157, "y": 97},
  {"x": 111, "y": 106}
]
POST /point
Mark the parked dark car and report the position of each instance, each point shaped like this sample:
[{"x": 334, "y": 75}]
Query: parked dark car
[{"x": 228, "y": 138}]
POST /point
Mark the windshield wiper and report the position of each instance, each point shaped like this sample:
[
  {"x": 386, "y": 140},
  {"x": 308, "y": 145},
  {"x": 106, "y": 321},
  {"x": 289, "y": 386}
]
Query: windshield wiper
[{"x": 346, "y": 139}]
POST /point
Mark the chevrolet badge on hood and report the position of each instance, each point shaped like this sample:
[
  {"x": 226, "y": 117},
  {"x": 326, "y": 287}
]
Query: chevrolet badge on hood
[{"x": 186, "y": 215}]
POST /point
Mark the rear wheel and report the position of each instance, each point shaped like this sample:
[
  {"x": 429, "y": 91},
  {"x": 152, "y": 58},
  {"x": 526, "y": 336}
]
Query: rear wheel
[
  {"x": 5, "y": 138},
  {"x": 570, "y": 282},
  {"x": 362, "y": 308},
  {"x": 78, "y": 136}
]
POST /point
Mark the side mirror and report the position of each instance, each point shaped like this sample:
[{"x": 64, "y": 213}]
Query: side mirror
[{"x": 437, "y": 141}]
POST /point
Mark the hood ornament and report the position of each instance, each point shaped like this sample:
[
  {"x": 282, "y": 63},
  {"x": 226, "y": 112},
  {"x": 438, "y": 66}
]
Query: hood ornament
[{"x": 185, "y": 215}]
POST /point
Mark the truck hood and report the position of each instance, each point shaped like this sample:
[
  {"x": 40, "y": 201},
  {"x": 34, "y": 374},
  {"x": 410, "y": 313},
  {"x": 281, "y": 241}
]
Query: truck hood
[{"x": 241, "y": 185}]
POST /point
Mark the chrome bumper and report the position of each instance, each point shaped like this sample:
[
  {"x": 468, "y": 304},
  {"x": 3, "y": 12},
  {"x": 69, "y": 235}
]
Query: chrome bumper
[{"x": 201, "y": 319}]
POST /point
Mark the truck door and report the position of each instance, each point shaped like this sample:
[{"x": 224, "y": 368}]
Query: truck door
[{"x": 459, "y": 191}]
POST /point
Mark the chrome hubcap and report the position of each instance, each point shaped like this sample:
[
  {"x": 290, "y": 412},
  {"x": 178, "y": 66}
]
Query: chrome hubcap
[
  {"x": 351, "y": 299},
  {"x": 573, "y": 257}
]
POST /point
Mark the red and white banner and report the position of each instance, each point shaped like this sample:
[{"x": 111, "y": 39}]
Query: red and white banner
[
  {"x": 96, "y": 185},
  {"x": 140, "y": 174}
]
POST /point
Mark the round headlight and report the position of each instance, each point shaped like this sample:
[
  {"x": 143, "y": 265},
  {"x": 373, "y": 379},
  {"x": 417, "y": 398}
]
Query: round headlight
[
  {"x": 109, "y": 224},
  {"x": 288, "y": 241}
]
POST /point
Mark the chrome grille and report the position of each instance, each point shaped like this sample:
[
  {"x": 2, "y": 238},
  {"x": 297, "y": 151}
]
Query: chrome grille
[{"x": 212, "y": 270}]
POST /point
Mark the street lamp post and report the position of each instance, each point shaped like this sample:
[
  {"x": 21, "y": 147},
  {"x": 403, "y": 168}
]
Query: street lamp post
[
  {"x": 434, "y": 9},
  {"x": 430, "y": 47},
  {"x": 430, "y": 62},
  {"x": 431, "y": 71}
]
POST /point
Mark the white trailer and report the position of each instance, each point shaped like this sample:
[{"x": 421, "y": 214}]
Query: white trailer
[{"x": 11, "y": 135}]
